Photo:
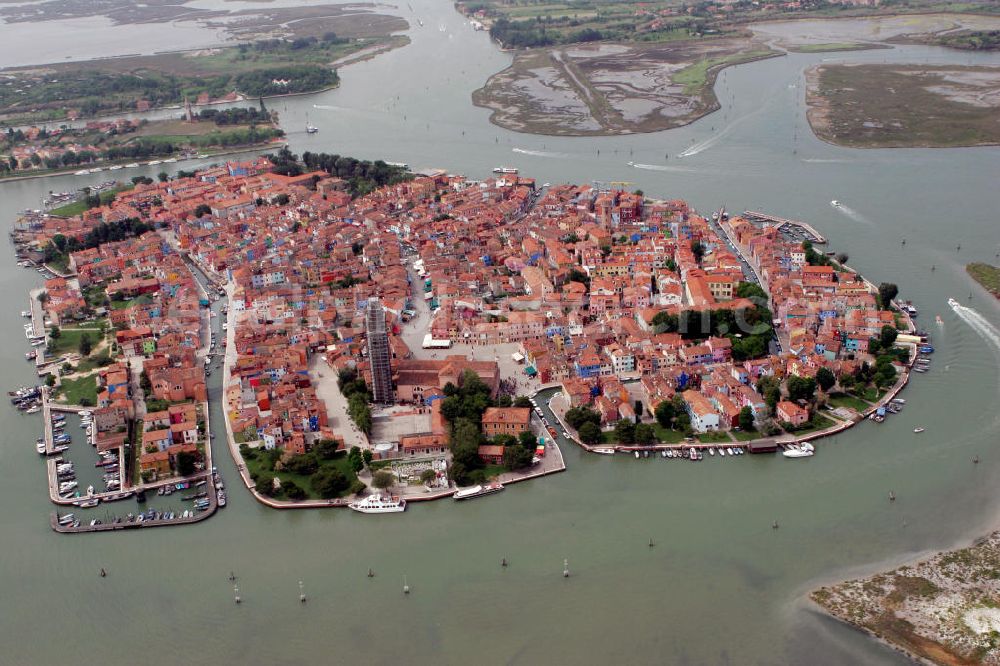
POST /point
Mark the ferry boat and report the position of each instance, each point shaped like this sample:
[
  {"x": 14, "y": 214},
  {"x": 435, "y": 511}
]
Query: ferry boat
[
  {"x": 379, "y": 504},
  {"x": 478, "y": 491},
  {"x": 604, "y": 450},
  {"x": 503, "y": 169}
]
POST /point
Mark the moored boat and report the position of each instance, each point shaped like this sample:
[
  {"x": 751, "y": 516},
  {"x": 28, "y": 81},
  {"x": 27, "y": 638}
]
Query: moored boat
[
  {"x": 379, "y": 504},
  {"x": 478, "y": 491}
]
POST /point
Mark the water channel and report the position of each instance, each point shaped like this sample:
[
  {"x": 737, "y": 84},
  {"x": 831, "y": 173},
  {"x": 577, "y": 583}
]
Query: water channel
[{"x": 720, "y": 587}]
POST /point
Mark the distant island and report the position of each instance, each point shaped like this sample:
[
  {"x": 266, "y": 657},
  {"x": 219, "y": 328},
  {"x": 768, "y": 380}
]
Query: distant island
[
  {"x": 121, "y": 142},
  {"x": 302, "y": 62},
  {"x": 986, "y": 275},
  {"x": 904, "y": 106},
  {"x": 943, "y": 610}
]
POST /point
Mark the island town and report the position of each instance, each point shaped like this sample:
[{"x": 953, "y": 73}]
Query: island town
[{"x": 390, "y": 336}]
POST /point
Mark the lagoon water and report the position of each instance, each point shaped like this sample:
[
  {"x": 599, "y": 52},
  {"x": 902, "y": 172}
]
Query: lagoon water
[{"x": 720, "y": 587}]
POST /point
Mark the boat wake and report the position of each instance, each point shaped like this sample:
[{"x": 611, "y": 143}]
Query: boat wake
[
  {"x": 539, "y": 153},
  {"x": 661, "y": 167},
  {"x": 853, "y": 214},
  {"x": 979, "y": 324},
  {"x": 328, "y": 107},
  {"x": 826, "y": 160}
]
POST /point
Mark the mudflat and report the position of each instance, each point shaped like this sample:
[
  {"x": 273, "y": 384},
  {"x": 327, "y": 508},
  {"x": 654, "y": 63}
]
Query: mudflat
[
  {"x": 609, "y": 88},
  {"x": 901, "y": 106},
  {"x": 943, "y": 610}
]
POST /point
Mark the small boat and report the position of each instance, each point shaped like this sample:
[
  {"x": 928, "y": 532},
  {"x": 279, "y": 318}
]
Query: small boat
[
  {"x": 379, "y": 504},
  {"x": 711, "y": 451},
  {"x": 154, "y": 163},
  {"x": 663, "y": 454},
  {"x": 132, "y": 165},
  {"x": 918, "y": 430},
  {"x": 835, "y": 203},
  {"x": 311, "y": 129},
  {"x": 636, "y": 455},
  {"x": 604, "y": 450},
  {"x": 503, "y": 169},
  {"x": 40, "y": 447}
]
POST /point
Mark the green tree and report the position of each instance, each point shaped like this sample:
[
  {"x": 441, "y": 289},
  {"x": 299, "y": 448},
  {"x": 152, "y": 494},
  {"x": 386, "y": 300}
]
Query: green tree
[
  {"x": 590, "y": 433},
  {"x": 367, "y": 456},
  {"x": 522, "y": 401},
  {"x": 85, "y": 345},
  {"x": 383, "y": 480},
  {"x": 427, "y": 476},
  {"x": 326, "y": 449},
  {"x": 329, "y": 482},
  {"x": 202, "y": 209},
  {"x": 264, "y": 484},
  {"x": 886, "y": 292},
  {"x": 801, "y": 388},
  {"x": 185, "y": 463},
  {"x": 50, "y": 380},
  {"x": 664, "y": 413},
  {"x": 746, "y": 419},
  {"x": 163, "y": 176},
  {"x": 517, "y": 457},
  {"x": 825, "y": 379},
  {"x": 355, "y": 459},
  {"x": 887, "y": 336},
  {"x": 527, "y": 440},
  {"x": 55, "y": 333},
  {"x": 293, "y": 490},
  {"x": 644, "y": 434},
  {"x": 625, "y": 431}
]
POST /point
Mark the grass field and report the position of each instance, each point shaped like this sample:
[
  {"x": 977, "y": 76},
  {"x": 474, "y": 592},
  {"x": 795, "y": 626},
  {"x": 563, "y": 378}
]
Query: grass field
[
  {"x": 986, "y": 275},
  {"x": 847, "y": 400},
  {"x": 79, "y": 391},
  {"x": 744, "y": 435},
  {"x": 69, "y": 339},
  {"x": 716, "y": 437},
  {"x": 256, "y": 465},
  {"x": 831, "y": 47},
  {"x": 696, "y": 76},
  {"x": 818, "y": 422}
]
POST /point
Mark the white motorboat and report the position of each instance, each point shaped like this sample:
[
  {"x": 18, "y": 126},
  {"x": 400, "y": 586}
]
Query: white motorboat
[
  {"x": 604, "y": 450},
  {"x": 379, "y": 504},
  {"x": 918, "y": 430},
  {"x": 502, "y": 169},
  {"x": 794, "y": 451},
  {"x": 835, "y": 203}
]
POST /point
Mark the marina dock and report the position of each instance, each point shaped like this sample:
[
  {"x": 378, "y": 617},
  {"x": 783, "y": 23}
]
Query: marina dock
[{"x": 811, "y": 233}]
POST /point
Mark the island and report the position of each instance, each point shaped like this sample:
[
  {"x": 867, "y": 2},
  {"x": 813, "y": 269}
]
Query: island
[
  {"x": 280, "y": 51},
  {"x": 121, "y": 143},
  {"x": 895, "y": 106},
  {"x": 611, "y": 68},
  {"x": 987, "y": 275},
  {"x": 942, "y": 610},
  {"x": 395, "y": 336}
]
